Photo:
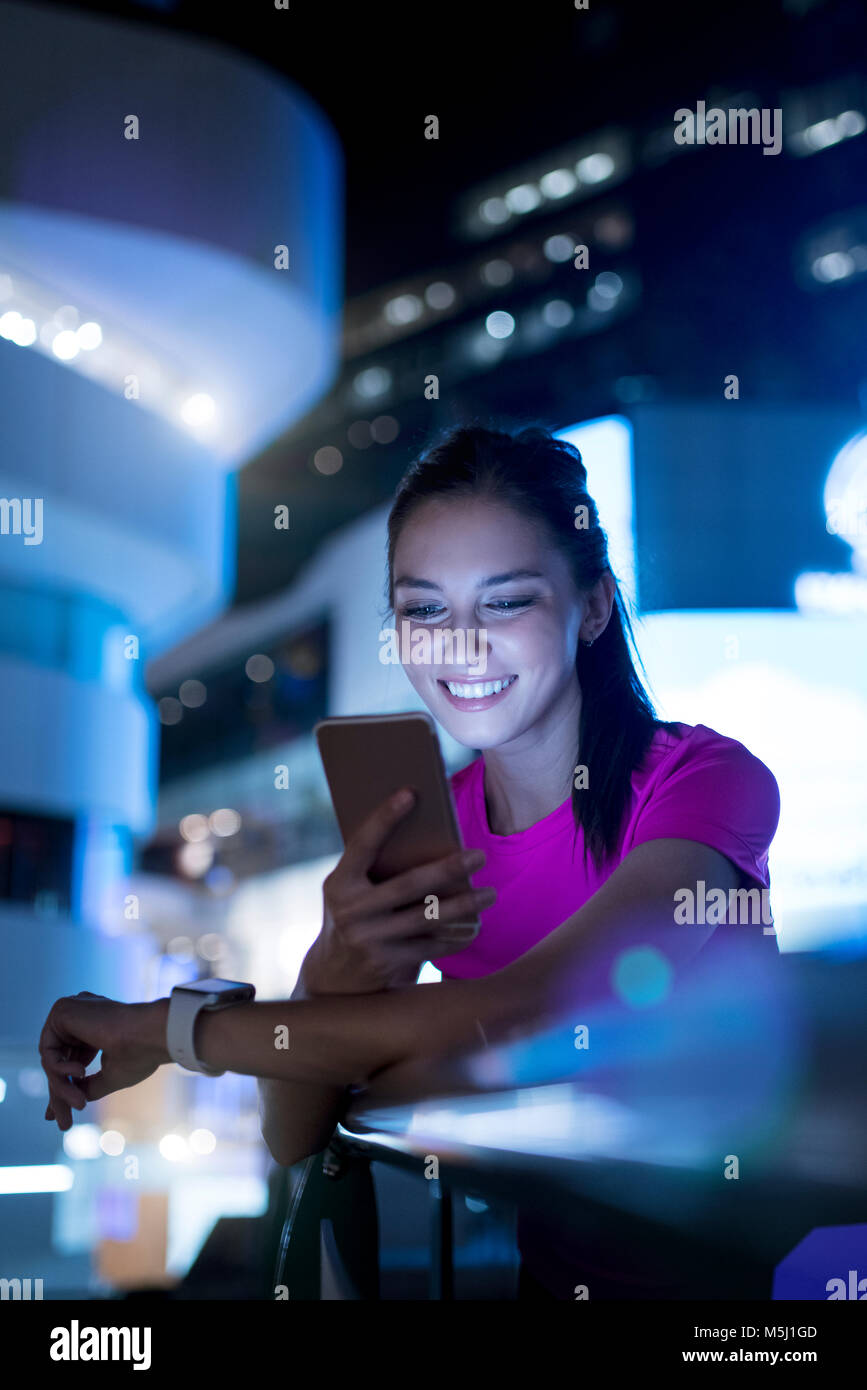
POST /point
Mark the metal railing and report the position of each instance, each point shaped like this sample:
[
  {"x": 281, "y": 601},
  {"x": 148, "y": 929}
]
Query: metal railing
[{"x": 767, "y": 1067}]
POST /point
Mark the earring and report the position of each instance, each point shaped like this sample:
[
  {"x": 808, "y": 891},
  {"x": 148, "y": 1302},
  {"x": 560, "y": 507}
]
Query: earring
[{"x": 589, "y": 642}]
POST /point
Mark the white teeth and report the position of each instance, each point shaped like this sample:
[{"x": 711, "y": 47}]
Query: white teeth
[{"x": 476, "y": 692}]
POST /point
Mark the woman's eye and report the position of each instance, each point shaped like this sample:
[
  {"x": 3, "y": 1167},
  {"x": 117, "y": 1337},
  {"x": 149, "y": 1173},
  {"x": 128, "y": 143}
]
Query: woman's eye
[
  {"x": 426, "y": 610},
  {"x": 511, "y": 605},
  {"x": 422, "y": 610}
]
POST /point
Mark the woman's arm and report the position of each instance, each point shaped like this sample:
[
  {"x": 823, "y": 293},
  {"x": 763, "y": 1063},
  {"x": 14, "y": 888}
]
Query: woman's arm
[
  {"x": 634, "y": 907},
  {"x": 367, "y": 944},
  {"x": 298, "y": 1118},
  {"x": 337, "y": 1041},
  {"x": 343, "y": 1040}
]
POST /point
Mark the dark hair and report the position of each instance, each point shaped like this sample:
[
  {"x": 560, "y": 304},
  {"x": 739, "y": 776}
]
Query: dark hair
[{"x": 546, "y": 478}]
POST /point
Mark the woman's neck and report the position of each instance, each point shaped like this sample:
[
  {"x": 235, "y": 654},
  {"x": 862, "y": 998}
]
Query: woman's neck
[{"x": 527, "y": 780}]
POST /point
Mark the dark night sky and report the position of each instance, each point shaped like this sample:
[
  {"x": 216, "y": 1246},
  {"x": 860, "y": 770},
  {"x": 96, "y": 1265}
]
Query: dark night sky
[
  {"x": 507, "y": 83},
  {"x": 715, "y": 235}
]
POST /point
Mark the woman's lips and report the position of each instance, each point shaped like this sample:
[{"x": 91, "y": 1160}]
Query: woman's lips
[{"x": 477, "y": 702}]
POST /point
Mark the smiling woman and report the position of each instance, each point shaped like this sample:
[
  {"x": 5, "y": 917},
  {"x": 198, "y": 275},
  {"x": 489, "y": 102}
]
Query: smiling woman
[
  {"x": 589, "y": 813},
  {"x": 591, "y": 817}
]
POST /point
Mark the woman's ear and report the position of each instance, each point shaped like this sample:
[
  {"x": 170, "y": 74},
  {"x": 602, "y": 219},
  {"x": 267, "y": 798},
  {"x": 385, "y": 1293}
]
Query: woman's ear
[{"x": 600, "y": 601}]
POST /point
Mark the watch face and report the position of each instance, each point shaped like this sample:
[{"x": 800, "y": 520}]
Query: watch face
[{"x": 211, "y": 986}]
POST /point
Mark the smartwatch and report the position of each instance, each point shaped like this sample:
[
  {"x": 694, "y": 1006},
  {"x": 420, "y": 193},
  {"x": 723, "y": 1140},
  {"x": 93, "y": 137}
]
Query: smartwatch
[{"x": 186, "y": 1003}]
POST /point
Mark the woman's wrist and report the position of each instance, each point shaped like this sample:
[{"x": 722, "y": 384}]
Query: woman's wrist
[{"x": 149, "y": 1028}]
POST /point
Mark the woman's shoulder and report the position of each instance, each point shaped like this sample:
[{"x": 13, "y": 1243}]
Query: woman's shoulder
[
  {"x": 699, "y": 784},
  {"x": 680, "y": 751},
  {"x": 680, "y": 742}
]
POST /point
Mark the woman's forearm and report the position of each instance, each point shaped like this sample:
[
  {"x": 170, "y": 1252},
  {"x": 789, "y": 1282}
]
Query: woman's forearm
[
  {"x": 298, "y": 1118},
  {"x": 343, "y": 1040}
]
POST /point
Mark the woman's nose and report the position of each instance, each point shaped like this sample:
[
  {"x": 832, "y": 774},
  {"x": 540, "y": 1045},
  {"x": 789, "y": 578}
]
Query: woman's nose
[{"x": 477, "y": 644}]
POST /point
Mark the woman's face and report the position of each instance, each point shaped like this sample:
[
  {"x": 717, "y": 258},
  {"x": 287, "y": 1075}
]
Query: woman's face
[{"x": 456, "y": 567}]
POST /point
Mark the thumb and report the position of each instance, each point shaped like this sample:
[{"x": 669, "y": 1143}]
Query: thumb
[{"x": 96, "y": 1087}]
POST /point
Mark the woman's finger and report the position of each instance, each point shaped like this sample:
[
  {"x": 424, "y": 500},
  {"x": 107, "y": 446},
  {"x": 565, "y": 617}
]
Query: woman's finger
[
  {"x": 440, "y": 876},
  {"x": 366, "y": 841},
  {"x": 98, "y": 1086},
  {"x": 58, "y": 1070},
  {"x": 62, "y": 1113},
  {"x": 376, "y": 909},
  {"x": 409, "y": 938},
  {"x": 412, "y": 923},
  {"x": 58, "y": 1066},
  {"x": 68, "y": 1091},
  {"x": 63, "y": 1075}
]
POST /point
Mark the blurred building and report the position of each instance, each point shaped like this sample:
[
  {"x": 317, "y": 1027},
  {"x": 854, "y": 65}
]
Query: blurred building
[{"x": 155, "y": 334}]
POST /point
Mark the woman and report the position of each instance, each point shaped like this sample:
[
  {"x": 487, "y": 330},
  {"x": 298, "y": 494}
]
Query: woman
[{"x": 591, "y": 816}]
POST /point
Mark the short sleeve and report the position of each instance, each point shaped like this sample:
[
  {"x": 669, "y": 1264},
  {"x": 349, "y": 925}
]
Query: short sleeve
[{"x": 714, "y": 790}]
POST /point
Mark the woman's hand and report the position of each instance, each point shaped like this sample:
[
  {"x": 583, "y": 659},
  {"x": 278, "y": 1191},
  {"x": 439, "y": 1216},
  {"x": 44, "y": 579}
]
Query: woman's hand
[
  {"x": 375, "y": 936},
  {"x": 80, "y": 1026}
]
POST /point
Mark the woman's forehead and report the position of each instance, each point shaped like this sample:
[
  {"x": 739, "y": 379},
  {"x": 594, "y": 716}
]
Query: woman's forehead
[
  {"x": 476, "y": 547},
  {"x": 487, "y": 518}
]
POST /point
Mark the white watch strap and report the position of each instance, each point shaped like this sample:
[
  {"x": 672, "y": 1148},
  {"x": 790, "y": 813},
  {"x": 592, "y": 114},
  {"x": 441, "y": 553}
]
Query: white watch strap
[{"x": 184, "y": 1008}]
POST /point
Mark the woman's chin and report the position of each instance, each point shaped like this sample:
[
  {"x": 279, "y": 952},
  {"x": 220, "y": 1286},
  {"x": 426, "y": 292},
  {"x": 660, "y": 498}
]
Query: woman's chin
[{"x": 474, "y": 736}]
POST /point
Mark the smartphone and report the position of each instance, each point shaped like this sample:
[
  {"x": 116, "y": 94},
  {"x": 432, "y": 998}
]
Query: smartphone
[{"x": 367, "y": 758}]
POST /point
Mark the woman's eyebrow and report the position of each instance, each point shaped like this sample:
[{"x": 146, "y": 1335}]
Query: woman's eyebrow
[{"x": 412, "y": 583}]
